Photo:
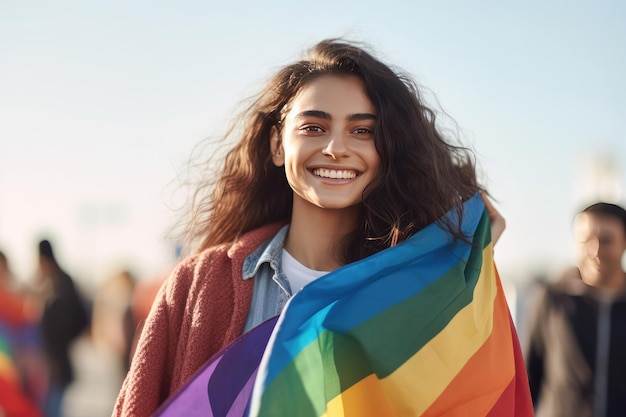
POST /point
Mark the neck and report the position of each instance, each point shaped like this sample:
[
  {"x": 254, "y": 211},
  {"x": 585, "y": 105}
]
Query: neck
[
  {"x": 315, "y": 236},
  {"x": 617, "y": 281}
]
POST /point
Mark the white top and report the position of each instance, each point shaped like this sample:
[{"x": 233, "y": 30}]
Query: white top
[{"x": 297, "y": 274}]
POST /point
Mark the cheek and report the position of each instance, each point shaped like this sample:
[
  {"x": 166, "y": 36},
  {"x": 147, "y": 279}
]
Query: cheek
[
  {"x": 581, "y": 252},
  {"x": 371, "y": 157},
  {"x": 612, "y": 252},
  {"x": 293, "y": 149},
  {"x": 294, "y": 167},
  {"x": 292, "y": 162},
  {"x": 374, "y": 166}
]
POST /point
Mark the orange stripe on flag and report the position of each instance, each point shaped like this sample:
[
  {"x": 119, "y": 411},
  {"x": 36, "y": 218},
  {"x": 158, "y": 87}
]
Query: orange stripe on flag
[
  {"x": 515, "y": 401},
  {"x": 484, "y": 378}
]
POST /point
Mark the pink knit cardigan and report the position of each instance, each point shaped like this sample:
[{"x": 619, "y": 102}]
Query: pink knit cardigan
[{"x": 201, "y": 308}]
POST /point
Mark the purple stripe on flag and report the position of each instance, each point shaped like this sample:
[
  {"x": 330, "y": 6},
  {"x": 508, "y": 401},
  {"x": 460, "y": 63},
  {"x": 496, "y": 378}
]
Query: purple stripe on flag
[
  {"x": 240, "y": 405},
  {"x": 222, "y": 387},
  {"x": 233, "y": 372}
]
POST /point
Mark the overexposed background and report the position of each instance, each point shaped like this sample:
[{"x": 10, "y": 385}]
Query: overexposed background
[{"x": 102, "y": 102}]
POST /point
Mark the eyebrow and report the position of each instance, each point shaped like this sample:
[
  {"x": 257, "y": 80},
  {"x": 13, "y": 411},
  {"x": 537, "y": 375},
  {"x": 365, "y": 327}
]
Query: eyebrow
[{"x": 326, "y": 116}]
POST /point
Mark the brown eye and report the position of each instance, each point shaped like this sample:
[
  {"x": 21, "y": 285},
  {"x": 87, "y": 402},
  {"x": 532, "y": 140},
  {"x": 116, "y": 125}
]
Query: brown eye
[{"x": 311, "y": 130}]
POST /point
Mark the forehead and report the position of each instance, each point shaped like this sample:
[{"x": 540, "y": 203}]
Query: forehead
[
  {"x": 590, "y": 225},
  {"x": 333, "y": 94}
]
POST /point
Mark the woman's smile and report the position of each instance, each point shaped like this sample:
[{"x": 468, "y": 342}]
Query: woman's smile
[{"x": 342, "y": 174}]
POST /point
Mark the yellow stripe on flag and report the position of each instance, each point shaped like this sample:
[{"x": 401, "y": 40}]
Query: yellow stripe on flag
[{"x": 364, "y": 399}]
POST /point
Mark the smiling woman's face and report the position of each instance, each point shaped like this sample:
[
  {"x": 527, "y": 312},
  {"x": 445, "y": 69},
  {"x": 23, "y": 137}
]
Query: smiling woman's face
[{"x": 327, "y": 143}]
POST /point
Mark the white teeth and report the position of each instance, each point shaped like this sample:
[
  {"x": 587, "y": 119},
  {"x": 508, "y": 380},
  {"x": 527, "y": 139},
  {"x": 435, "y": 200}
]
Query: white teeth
[{"x": 335, "y": 173}]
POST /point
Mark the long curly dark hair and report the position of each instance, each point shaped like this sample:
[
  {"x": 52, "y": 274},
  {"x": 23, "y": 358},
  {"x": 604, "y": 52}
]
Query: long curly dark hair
[{"x": 421, "y": 177}]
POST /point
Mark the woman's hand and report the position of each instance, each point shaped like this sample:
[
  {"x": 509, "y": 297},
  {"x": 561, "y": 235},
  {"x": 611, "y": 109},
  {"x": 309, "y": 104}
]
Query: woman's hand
[{"x": 498, "y": 223}]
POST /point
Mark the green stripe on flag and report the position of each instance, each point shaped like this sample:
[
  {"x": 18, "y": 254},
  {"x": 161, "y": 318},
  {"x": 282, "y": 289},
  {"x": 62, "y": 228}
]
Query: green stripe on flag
[{"x": 303, "y": 384}]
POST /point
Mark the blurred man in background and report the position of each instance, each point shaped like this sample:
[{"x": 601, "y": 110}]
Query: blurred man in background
[
  {"x": 576, "y": 353},
  {"x": 64, "y": 318}
]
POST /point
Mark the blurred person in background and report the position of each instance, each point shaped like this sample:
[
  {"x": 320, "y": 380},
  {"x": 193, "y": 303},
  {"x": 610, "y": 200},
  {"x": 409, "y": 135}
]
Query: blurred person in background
[
  {"x": 113, "y": 325},
  {"x": 22, "y": 371},
  {"x": 64, "y": 318},
  {"x": 576, "y": 351},
  {"x": 143, "y": 295}
]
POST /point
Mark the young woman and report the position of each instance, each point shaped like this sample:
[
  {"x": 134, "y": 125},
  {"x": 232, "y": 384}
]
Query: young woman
[{"x": 337, "y": 159}]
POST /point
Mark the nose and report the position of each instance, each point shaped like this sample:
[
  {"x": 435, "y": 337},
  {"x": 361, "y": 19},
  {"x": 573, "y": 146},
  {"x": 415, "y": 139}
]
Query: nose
[{"x": 337, "y": 146}]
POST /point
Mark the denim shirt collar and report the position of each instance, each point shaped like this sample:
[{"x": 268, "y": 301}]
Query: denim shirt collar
[{"x": 269, "y": 251}]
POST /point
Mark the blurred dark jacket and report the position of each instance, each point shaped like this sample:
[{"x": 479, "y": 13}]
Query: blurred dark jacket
[
  {"x": 576, "y": 352},
  {"x": 64, "y": 318}
]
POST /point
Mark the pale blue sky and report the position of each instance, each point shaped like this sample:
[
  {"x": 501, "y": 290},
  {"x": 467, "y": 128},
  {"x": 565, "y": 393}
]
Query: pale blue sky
[{"x": 101, "y": 103}]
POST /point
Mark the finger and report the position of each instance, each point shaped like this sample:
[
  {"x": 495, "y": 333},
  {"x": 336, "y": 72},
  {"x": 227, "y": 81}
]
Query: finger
[{"x": 498, "y": 223}]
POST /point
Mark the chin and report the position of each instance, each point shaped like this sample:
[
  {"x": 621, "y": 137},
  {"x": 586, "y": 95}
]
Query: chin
[
  {"x": 592, "y": 277},
  {"x": 338, "y": 206}
]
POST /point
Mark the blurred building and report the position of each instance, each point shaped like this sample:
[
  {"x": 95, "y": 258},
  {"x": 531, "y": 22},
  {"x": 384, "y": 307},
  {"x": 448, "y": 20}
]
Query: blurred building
[{"x": 598, "y": 177}]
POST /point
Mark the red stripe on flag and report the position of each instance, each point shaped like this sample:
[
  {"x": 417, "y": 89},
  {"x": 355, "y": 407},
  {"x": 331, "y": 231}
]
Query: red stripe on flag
[{"x": 516, "y": 400}]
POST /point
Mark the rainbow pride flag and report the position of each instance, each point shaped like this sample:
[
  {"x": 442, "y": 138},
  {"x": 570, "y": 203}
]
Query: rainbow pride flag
[
  {"x": 17, "y": 335},
  {"x": 420, "y": 329}
]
